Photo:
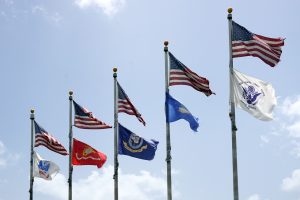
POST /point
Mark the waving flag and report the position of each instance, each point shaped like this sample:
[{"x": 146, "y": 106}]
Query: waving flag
[
  {"x": 182, "y": 75},
  {"x": 178, "y": 111},
  {"x": 43, "y": 168},
  {"x": 84, "y": 154},
  {"x": 84, "y": 119},
  {"x": 245, "y": 43},
  {"x": 254, "y": 96},
  {"x": 132, "y": 145},
  {"x": 125, "y": 105},
  {"x": 43, "y": 138}
]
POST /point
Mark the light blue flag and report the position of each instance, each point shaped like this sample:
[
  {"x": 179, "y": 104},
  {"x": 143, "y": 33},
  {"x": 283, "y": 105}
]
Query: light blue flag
[{"x": 178, "y": 111}]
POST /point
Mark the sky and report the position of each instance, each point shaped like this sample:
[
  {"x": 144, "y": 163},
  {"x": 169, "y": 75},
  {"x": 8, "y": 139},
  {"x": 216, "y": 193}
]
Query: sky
[{"x": 50, "y": 47}]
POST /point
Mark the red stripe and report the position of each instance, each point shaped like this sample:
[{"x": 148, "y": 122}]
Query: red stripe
[
  {"x": 256, "y": 52},
  {"x": 207, "y": 91},
  {"x": 254, "y": 55},
  {"x": 255, "y": 46}
]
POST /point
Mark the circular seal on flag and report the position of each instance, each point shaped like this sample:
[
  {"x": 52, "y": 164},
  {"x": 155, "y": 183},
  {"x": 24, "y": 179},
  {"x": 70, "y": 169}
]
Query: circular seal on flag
[
  {"x": 251, "y": 93},
  {"x": 135, "y": 142}
]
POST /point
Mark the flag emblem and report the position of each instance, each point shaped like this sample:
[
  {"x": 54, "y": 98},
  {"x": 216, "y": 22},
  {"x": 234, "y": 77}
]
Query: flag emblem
[
  {"x": 84, "y": 119},
  {"x": 250, "y": 95},
  {"x": 125, "y": 105},
  {"x": 42, "y": 137}
]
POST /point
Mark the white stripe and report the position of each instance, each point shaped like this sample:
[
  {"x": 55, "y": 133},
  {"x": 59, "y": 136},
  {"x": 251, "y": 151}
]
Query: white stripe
[
  {"x": 252, "y": 48},
  {"x": 91, "y": 126},
  {"x": 255, "y": 53},
  {"x": 87, "y": 122}
]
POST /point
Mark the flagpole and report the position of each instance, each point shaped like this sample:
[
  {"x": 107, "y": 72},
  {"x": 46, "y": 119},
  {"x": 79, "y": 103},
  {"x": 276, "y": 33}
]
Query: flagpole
[
  {"x": 116, "y": 135},
  {"x": 70, "y": 146},
  {"x": 31, "y": 156},
  {"x": 168, "y": 137},
  {"x": 232, "y": 113}
]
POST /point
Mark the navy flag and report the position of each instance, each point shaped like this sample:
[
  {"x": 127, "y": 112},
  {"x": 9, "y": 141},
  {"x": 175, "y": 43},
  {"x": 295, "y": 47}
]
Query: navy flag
[
  {"x": 245, "y": 43},
  {"x": 178, "y": 111},
  {"x": 125, "y": 105},
  {"x": 182, "y": 75},
  {"x": 84, "y": 119},
  {"x": 132, "y": 145}
]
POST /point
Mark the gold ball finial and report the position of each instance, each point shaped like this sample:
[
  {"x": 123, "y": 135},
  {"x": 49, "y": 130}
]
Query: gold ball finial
[
  {"x": 115, "y": 69},
  {"x": 32, "y": 110},
  {"x": 70, "y": 92},
  {"x": 166, "y": 43},
  {"x": 230, "y": 10}
]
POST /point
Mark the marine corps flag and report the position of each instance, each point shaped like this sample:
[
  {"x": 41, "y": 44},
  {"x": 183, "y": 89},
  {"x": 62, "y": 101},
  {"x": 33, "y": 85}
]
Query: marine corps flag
[
  {"x": 84, "y": 154},
  {"x": 132, "y": 145},
  {"x": 254, "y": 96}
]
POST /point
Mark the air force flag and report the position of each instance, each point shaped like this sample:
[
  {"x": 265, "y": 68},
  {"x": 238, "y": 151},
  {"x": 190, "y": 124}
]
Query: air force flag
[
  {"x": 254, "y": 96},
  {"x": 178, "y": 111},
  {"x": 132, "y": 145},
  {"x": 43, "y": 168}
]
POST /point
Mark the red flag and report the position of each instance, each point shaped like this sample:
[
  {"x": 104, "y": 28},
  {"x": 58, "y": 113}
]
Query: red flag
[{"x": 84, "y": 154}]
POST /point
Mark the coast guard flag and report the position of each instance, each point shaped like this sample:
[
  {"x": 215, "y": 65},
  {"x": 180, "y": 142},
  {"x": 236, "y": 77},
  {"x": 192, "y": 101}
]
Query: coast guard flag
[
  {"x": 43, "y": 168},
  {"x": 254, "y": 96},
  {"x": 132, "y": 145},
  {"x": 178, "y": 111},
  {"x": 245, "y": 43},
  {"x": 84, "y": 154},
  {"x": 84, "y": 119}
]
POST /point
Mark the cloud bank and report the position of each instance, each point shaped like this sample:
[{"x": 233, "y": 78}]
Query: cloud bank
[
  {"x": 100, "y": 184},
  {"x": 109, "y": 7}
]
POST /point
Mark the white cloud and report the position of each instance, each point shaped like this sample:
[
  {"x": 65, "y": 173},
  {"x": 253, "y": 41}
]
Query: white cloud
[
  {"x": 254, "y": 197},
  {"x": 292, "y": 183},
  {"x": 131, "y": 186},
  {"x": 2, "y": 151},
  {"x": 42, "y": 11},
  {"x": 109, "y": 7},
  {"x": 7, "y": 158},
  {"x": 291, "y": 106}
]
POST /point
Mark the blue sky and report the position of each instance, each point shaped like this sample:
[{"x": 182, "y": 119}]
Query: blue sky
[{"x": 50, "y": 47}]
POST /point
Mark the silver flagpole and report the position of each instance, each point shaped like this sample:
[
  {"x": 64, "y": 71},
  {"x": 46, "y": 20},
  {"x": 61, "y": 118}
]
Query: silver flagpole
[
  {"x": 31, "y": 155},
  {"x": 70, "y": 146},
  {"x": 168, "y": 137},
  {"x": 116, "y": 136},
  {"x": 232, "y": 113}
]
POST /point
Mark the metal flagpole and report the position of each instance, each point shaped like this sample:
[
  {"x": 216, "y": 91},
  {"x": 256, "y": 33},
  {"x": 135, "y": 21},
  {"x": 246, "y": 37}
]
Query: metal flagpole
[
  {"x": 168, "y": 138},
  {"x": 116, "y": 136},
  {"x": 31, "y": 156},
  {"x": 70, "y": 146},
  {"x": 232, "y": 113}
]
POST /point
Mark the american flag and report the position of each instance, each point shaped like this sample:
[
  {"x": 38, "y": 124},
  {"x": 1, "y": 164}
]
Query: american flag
[
  {"x": 43, "y": 138},
  {"x": 245, "y": 43},
  {"x": 182, "y": 75},
  {"x": 125, "y": 105},
  {"x": 84, "y": 119}
]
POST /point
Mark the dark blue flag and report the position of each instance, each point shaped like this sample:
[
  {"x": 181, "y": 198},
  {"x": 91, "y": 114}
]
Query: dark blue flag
[
  {"x": 178, "y": 111},
  {"x": 132, "y": 145}
]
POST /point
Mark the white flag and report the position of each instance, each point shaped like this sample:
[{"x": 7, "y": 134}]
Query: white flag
[
  {"x": 254, "y": 96},
  {"x": 43, "y": 168}
]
